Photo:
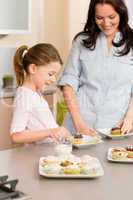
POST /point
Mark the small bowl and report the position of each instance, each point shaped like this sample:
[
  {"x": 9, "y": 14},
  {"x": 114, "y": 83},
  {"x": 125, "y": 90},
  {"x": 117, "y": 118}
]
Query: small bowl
[{"x": 63, "y": 149}]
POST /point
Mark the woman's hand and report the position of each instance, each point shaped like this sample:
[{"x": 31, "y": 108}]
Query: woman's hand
[
  {"x": 83, "y": 129},
  {"x": 126, "y": 125},
  {"x": 73, "y": 108}
]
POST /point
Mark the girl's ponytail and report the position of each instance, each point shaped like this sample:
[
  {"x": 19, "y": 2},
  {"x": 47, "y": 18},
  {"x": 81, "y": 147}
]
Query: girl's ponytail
[{"x": 19, "y": 65}]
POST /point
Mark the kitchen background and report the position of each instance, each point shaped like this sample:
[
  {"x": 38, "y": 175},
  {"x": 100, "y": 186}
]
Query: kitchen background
[{"x": 52, "y": 21}]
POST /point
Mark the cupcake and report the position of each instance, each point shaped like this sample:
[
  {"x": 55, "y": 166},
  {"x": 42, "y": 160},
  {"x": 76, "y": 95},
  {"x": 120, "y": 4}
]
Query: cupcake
[
  {"x": 77, "y": 141},
  {"x": 65, "y": 163},
  {"x": 52, "y": 168},
  {"x": 116, "y": 131},
  {"x": 49, "y": 160},
  {"x": 119, "y": 153},
  {"x": 129, "y": 149},
  {"x": 90, "y": 169},
  {"x": 72, "y": 169},
  {"x": 130, "y": 154},
  {"x": 74, "y": 159}
]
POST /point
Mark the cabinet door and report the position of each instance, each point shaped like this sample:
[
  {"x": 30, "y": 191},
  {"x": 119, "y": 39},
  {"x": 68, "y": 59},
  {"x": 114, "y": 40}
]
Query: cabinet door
[
  {"x": 5, "y": 119},
  {"x": 15, "y": 16}
]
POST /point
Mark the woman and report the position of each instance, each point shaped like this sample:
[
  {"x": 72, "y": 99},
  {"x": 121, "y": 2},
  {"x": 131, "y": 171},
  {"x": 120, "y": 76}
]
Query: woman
[{"x": 97, "y": 80}]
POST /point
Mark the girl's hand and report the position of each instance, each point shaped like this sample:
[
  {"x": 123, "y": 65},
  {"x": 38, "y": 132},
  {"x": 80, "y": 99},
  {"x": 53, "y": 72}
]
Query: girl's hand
[
  {"x": 63, "y": 132},
  {"x": 126, "y": 125},
  {"x": 60, "y": 133},
  {"x": 83, "y": 129}
]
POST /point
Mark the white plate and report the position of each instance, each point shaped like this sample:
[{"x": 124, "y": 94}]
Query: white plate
[
  {"x": 123, "y": 160},
  {"x": 99, "y": 173},
  {"x": 87, "y": 141},
  {"x": 106, "y": 132}
]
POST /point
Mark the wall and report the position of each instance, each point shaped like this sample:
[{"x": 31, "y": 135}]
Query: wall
[
  {"x": 6, "y": 62},
  {"x": 77, "y": 17},
  {"x": 63, "y": 19},
  {"x": 56, "y": 24},
  {"x": 130, "y": 7}
]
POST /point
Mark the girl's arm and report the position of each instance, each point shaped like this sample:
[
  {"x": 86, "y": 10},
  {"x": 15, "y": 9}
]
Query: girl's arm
[
  {"x": 72, "y": 105},
  {"x": 28, "y": 136}
]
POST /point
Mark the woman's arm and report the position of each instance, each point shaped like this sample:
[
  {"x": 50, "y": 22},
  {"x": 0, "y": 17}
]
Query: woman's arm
[
  {"x": 28, "y": 136},
  {"x": 127, "y": 124},
  {"x": 73, "y": 108}
]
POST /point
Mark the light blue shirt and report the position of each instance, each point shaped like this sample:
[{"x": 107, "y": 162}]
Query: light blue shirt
[{"x": 102, "y": 81}]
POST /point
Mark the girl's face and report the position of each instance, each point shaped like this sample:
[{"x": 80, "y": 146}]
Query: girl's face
[
  {"x": 107, "y": 19},
  {"x": 45, "y": 75}
]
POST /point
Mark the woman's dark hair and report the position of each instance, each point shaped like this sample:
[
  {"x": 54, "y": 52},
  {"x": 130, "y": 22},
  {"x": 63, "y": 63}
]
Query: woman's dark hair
[
  {"x": 91, "y": 30},
  {"x": 40, "y": 54}
]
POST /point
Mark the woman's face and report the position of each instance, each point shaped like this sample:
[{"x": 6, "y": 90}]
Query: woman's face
[{"x": 107, "y": 19}]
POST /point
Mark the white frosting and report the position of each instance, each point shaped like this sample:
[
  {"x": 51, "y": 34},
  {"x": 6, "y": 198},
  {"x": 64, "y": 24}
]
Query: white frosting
[
  {"x": 72, "y": 167},
  {"x": 74, "y": 159},
  {"x": 52, "y": 168}
]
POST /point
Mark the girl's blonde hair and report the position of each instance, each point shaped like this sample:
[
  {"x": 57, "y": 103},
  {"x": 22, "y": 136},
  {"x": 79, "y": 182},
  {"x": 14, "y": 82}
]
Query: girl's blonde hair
[{"x": 39, "y": 54}]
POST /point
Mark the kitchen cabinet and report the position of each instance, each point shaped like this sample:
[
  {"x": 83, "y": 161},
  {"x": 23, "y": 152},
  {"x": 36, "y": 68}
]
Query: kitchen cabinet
[
  {"x": 9, "y": 23},
  {"x": 5, "y": 119}
]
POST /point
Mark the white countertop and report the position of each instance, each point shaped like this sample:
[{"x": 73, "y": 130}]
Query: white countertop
[{"x": 23, "y": 162}]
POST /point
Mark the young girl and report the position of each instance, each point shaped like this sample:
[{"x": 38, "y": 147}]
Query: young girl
[{"x": 35, "y": 69}]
